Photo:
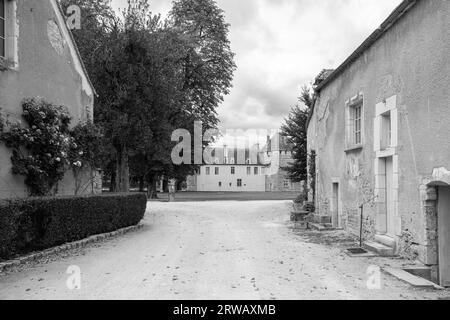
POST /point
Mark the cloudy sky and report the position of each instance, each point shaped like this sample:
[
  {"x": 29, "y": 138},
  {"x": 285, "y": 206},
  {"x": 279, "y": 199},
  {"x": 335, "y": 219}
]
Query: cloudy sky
[{"x": 281, "y": 45}]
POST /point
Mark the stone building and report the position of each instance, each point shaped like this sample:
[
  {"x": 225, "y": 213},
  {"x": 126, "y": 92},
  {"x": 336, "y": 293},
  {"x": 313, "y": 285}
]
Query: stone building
[
  {"x": 277, "y": 155},
  {"x": 380, "y": 127},
  {"x": 235, "y": 171},
  {"x": 39, "y": 58}
]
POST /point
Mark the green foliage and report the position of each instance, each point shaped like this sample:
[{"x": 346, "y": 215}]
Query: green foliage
[
  {"x": 40, "y": 223},
  {"x": 152, "y": 77},
  {"x": 87, "y": 148},
  {"x": 295, "y": 129},
  {"x": 40, "y": 151},
  {"x": 44, "y": 150}
]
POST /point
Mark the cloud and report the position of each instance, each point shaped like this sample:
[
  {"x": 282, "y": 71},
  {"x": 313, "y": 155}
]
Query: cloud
[{"x": 281, "y": 45}]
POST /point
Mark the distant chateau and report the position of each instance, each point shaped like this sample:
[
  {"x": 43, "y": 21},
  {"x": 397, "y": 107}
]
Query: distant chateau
[{"x": 245, "y": 170}]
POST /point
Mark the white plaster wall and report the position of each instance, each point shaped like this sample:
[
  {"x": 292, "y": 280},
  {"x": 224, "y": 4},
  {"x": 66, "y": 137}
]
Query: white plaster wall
[{"x": 250, "y": 183}]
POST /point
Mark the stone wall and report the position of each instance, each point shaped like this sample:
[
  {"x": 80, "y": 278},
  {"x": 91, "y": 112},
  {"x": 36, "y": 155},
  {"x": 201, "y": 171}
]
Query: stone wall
[
  {"x": 406, "y": 70},
  {"x": 47, "y": 67}
]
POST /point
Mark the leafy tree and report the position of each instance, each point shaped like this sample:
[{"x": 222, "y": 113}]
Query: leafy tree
[
  {"x": 153, "y": 77},
  {"x": 295, "y": 129},
  {"x": 209, "y": 62}
]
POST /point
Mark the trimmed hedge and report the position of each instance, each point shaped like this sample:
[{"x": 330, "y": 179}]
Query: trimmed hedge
[{"x": 33, "y": 224}]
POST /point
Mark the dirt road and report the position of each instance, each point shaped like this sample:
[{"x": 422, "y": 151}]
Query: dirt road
[{"x": 211, "y": 250}]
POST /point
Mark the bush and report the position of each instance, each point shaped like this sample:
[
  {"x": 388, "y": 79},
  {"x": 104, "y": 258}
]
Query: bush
[{"x": 33, "y": 224}]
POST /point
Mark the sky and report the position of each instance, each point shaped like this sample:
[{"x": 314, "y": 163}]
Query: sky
[{"x": 281, "y": 45}]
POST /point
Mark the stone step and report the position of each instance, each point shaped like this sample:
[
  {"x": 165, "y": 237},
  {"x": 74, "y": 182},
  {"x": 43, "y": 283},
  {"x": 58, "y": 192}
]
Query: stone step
[
  {"x": 322, "y": 219},
  {"x": 386, "y": 240},
  {"x": 379, "y": 248},
  {"x": 320, "y": 227},
  {"x": 410, "y": 278}
]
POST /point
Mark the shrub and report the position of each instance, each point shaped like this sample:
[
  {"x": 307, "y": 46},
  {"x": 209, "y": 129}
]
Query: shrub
[
  {"x": 33, "y": 224},
  {"x": 44, "y": 149}
]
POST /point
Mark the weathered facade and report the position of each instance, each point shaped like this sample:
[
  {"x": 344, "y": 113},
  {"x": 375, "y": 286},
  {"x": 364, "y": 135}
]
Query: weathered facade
[
  {"x": 380, "y": 127},
  {"x": 38, "y": 58}
]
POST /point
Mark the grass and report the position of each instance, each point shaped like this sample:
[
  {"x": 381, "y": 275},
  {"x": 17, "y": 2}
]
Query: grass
[{"x": 228, "y": 196}]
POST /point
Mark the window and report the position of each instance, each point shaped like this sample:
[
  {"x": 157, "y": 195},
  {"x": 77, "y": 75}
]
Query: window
[
  {"x": 239, "y": 183},
  {"x": 249, "y": 171},
  {"x": 233, "y": 170},
  {"x": 220, "y": 184},
  {"x": 286, "y": 184},
  {"x": 208, "y": 171},
  {"x": 256, "y": 170},
  {"x": 3, "y": 28},
  {"x": 386, "y": 131},
  {"x": 216, "y": 171},
  {"x": 354, "y": 123},
  {"x": 357, "y": 124},
  {"x": 263, "y": 171}
]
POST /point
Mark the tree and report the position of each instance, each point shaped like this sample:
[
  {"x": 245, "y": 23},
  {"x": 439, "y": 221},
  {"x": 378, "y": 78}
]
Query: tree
[
  {"x": 295, "y": 129},
  {"x": 153, "y": 77},
  {"x": 209, "y": 62}
]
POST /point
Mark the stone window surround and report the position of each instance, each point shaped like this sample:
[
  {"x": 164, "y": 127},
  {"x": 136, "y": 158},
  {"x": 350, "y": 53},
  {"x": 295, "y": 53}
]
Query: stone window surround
[
  {"x": 381, "y": 109},
  {"x": 350, "y": 104},
  {"x": 11, "y": 36}
]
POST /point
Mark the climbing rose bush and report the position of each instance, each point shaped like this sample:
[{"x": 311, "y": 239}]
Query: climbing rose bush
[{"x": 44, "y": 150}]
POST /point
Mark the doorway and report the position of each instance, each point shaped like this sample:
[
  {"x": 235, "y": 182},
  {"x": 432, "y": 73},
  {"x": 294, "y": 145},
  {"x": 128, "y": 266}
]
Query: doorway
[
  {"x": 335, "y": 206},
  {"x": 390, "y": 218},
  {"x": 443, "y": 210}
]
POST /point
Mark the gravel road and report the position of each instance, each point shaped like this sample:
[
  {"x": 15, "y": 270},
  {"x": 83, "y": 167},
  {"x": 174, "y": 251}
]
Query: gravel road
[{"x": 212, "y": 250}]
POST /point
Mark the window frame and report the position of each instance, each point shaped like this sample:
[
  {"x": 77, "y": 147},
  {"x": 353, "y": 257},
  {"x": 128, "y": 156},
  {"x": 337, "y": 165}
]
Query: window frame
[
  {"x": 239, "y": 183},
  {"x": 208, "y": 171},
  {"x": 10, "y": 58},
  {"x": 3, "y": 38},
  {"x": 354, "y": 123}
]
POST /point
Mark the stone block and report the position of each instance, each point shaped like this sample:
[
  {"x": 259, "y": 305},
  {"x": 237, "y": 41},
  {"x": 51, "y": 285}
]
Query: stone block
[
  {"x": 428, "y": 194},
  {"x": 428, "y": 255}
]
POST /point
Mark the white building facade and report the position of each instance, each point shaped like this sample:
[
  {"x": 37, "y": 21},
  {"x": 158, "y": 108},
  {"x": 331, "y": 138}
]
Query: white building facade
[{"x": 229, "y": 178}]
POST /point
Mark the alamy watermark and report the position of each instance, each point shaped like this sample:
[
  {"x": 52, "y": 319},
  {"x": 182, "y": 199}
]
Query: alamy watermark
[
  {"x": 241, "y": 146},
  {"x": 73, "y": 282},
  {"x": 73, "y": 20}
]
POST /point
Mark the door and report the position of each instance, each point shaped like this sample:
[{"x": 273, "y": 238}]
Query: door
[
  {"x": 444, "y": 235},
  {"x": 390, "y": 223},
  {"x": 335, "y": 206}
]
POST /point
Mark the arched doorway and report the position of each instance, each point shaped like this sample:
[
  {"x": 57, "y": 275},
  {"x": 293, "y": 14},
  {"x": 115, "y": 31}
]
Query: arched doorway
[
  {"x": 443, "y": 224},
  {"x": 438, "y": 227}
]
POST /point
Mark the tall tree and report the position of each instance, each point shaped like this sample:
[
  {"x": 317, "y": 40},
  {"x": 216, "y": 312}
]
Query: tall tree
[
  {"x": 295, "y": 129},
  {"x": 153, "y": 77},
  {"x": 209, "y": 63}
]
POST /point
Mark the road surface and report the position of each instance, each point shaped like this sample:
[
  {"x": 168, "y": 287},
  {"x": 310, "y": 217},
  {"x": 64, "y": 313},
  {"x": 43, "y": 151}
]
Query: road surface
[{"x": 211, "y": 250}]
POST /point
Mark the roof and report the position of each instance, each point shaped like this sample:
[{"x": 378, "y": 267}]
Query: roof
[
  {"x": 393, "y": 18},
  {"x": 77, "y": 52}
]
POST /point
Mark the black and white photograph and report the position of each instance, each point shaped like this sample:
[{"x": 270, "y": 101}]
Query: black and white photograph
[{"x": 223, "y": 156}]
